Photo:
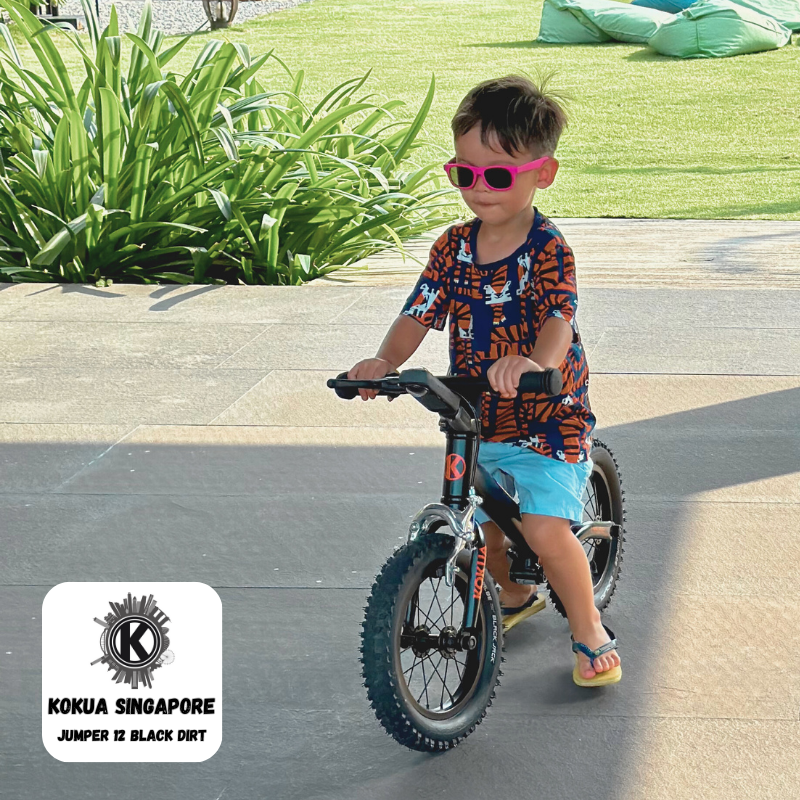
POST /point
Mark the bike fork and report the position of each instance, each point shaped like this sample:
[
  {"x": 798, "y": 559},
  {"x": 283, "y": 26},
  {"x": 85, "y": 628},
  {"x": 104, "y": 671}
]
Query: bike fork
[{"x": 477, "y": 572}]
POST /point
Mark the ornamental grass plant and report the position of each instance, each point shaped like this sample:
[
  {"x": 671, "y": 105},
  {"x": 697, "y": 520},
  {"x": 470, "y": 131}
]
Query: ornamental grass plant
[{"x": 145, "y": 175}]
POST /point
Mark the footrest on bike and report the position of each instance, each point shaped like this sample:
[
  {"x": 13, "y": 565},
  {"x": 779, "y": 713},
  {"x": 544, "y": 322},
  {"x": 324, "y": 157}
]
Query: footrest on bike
[{"x": 524, "y": 569}]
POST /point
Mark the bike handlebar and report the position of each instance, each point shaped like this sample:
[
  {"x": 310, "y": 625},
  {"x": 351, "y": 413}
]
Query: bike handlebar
[{"x": 420, "y": 381}]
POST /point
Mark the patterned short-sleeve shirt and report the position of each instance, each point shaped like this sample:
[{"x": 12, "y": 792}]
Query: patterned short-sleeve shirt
[{"x": 498, "y": 309}]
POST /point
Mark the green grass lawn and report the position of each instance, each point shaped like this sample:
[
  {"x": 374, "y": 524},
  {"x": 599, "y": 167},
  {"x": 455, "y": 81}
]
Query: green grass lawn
[{"x": 650, "y": 136}]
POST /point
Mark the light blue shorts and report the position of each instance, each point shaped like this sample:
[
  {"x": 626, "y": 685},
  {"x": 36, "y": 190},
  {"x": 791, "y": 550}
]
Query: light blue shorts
[{"x": 540, "y": 484}]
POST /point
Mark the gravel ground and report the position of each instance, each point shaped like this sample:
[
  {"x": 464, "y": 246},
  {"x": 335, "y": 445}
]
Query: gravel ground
[{"x": 176, "y": 16}]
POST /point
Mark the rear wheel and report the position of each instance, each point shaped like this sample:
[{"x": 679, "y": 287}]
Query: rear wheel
[
  {"x": 427, "y": 688},
  {"x": 603, "y": 500}
]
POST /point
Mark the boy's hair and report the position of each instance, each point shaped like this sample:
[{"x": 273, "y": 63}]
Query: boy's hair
[{"x": 522, "y": 115}]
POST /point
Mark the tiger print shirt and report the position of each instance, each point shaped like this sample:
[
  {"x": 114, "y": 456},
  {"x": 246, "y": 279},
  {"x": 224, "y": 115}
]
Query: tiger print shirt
[{"x": 498, "y": 309}]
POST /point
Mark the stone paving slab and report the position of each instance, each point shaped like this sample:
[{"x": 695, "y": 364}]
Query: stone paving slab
[
  {"x": 113, "y": 396},
  {"x": 38, "y": 458},
  {"x": 240, "y": 540},
  {"x": 322, "y": 347},
  {"x": 257, "y": 305},
  {"x": 702, "y": 351},
  {"x": 286, "y": 398},
  {"x": 719, "y": 254},
  {"x": 98, "y": 345}
]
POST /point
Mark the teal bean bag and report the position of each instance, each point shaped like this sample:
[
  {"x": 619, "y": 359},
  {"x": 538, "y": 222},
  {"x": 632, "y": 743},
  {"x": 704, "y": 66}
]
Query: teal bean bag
[
  {"x": 592, "y": 21},
  {"x": 564, "y": 23},
  {"x": 718, "y": 28},
  {"x": 670, "y": 6},
  {"x": 787, "y": 12},
  {"x": 627, "y": 23}
]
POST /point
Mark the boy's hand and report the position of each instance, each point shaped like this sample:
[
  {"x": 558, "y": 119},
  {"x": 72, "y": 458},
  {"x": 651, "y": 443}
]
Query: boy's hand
[
  {"x": 505, "y": 373},
  {"x": 370, "y": 369}
]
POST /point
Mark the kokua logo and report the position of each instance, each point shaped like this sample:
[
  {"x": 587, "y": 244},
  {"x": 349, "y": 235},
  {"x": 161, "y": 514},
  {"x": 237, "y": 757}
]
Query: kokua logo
[{"x": 134, "y": 641}]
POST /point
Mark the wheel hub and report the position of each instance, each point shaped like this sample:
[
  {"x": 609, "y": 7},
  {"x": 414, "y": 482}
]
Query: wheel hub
[
  {"x": 421, "y": 641},
  {"x": 448, "y": 642}
]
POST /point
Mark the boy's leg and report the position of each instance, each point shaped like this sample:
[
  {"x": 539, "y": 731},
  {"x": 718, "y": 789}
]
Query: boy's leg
[
  {"x": 564, "y": 561},
  {"x": 512, "y": 594}
]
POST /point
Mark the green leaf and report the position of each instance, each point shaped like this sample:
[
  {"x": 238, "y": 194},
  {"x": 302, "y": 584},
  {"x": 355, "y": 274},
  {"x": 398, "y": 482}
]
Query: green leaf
[
  {"x": 141, "y": 178},
  {"x": 266, "y": 223},
  {"x": 111, "y": 143},
  {"x": 223, "y": 203},
  {"x": 227, "y": 142}
]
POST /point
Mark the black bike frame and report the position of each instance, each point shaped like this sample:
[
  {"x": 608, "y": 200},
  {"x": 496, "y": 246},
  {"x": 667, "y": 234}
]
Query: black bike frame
[
  {"x": 459, "y": 418},
  {"x": 461, "y": 471}
]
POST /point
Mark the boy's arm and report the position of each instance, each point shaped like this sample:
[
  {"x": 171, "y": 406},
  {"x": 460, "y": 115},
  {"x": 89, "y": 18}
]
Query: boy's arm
[
  {"x": 550, "y": 350},
  {"x": 557, "y": 300},
  {"x": 399, "y": 344},
  {"x": 553, "y": 343},
  {"x": 425, "y": 308},
  {"x": 402, "y": 341}
]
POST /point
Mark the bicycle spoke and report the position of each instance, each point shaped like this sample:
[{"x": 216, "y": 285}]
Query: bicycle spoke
[
  {"x": 417, "y": 662},
  {"x": 444, "y": 686},
  {"x": 425, "y": 687},
  {"x": 591, "y": 502},
  {"x": 460, "y": 673},
  {"x": 436, "y": 597},
  {"x": 439, "y": 674},
  {"x": 430, "y": 621},
  {"x": 430, "y": 609},
  {"x": 450, "y": 608}
]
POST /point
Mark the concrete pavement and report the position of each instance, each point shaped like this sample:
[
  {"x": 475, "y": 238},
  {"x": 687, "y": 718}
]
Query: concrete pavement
[{"x": 185, "y": 433}]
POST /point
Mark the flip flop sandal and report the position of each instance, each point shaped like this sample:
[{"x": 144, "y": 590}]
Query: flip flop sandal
[
  {"x": 613, "y": 675},
  {"x": 513, "y": 616}
]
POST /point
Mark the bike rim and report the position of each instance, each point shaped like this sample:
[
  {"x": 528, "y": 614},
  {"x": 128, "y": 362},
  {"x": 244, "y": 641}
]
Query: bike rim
[
  {"x": 436, "y": 686},
  {"x": 600, "y": 552}
]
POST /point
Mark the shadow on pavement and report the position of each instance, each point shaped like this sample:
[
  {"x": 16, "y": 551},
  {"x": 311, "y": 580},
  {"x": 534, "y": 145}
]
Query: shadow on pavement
[{"x": 292, "y": 537}]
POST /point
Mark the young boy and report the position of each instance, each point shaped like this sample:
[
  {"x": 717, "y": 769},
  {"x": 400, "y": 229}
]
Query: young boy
[{"x": 507, "y": 281}]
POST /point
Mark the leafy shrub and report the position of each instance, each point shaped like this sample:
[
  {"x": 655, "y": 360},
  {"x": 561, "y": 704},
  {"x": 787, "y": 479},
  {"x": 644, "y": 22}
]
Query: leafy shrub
[{"x": 147, "y": 176}]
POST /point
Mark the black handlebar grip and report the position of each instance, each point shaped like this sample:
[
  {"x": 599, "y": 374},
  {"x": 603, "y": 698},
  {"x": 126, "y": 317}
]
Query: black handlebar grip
[
  {"x": 547, "y": 382},
  {"x": 347, "y": 393}
]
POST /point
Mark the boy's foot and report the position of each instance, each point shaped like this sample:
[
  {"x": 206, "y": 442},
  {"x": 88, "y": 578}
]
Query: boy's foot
[
  {"x": 513, "y": 615},
  {"x": 516, "y": 597},
  {"x": 594, "y": 638}
]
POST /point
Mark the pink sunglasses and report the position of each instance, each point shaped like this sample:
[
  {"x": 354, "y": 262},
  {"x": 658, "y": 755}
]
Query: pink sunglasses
[{"x": 499, "y": 179}]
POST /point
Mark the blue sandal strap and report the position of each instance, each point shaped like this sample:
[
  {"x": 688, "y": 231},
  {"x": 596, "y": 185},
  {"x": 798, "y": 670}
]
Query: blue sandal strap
[{"x": 593, "y": 654}]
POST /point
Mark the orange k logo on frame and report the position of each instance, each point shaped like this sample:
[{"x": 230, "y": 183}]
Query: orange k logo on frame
[{"x": 454, "y": 467}]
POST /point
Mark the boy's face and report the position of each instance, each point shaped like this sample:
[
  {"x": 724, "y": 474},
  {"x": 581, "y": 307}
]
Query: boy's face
[{"x": 497, "y": 208}]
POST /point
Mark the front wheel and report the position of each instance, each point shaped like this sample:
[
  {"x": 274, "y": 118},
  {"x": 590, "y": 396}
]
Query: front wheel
[
  {"x": 604, "y": 500},
  {"x": 428, "y": 691}
]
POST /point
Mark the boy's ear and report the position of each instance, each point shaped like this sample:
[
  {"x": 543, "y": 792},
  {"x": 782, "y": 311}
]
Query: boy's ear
[{"x": 547, "y": 174}]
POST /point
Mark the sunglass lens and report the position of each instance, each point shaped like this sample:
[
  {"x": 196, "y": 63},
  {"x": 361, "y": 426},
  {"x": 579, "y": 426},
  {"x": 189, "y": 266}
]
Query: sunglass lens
[
  {"x": 462, "y": 177},
  {"x": 497, "y": 178}
]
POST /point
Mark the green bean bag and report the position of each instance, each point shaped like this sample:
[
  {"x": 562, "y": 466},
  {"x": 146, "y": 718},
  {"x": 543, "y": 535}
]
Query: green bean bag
[
  {"x": 787, "y": 12},
  {"x": 592, "y": 21},
  {"x": 718, "y": 28},
  {"x": 627, "y": 23},
  {"x": 564, "y": 23}
]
